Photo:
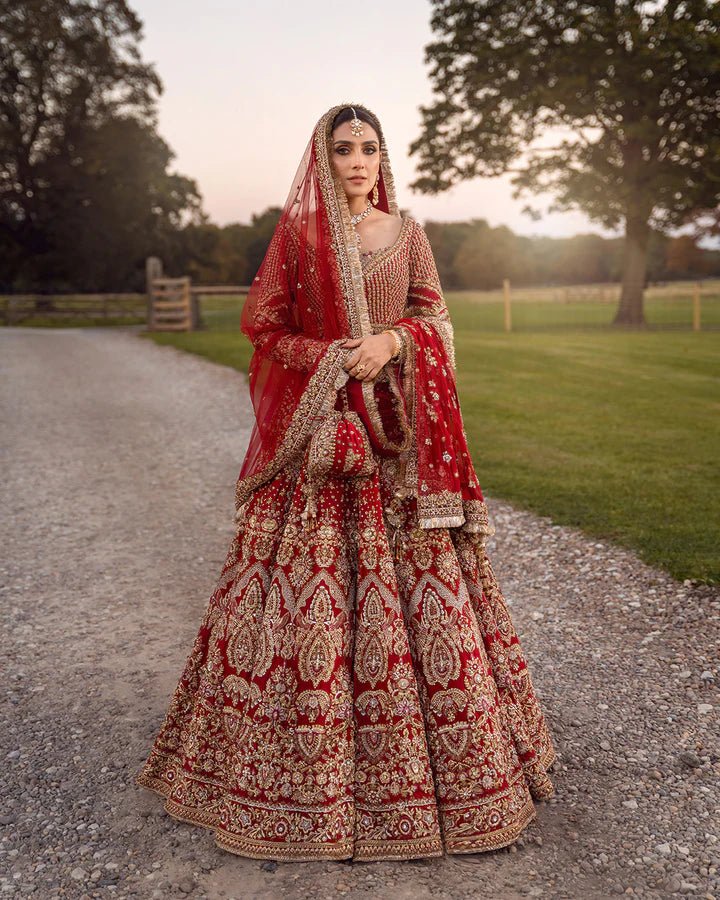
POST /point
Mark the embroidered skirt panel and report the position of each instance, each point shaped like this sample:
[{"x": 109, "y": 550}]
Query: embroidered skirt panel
[{"x": 356, "y": 689}]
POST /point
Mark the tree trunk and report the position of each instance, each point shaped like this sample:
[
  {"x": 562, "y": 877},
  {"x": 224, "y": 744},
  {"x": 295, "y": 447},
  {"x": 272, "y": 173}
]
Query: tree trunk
[{"x": 630, "y": 311}]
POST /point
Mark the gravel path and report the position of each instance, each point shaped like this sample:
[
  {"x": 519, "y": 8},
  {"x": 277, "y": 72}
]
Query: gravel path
[{"x": 119, "y": 463}]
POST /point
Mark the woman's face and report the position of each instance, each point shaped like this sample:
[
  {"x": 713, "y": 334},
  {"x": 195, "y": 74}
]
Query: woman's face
[{"x": 356, "y": 160}]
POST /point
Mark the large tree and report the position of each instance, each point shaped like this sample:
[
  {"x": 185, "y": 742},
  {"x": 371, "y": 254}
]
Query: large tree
[
  {"x": 631, "y": 89},
  {"x": 85, "y": 192}
]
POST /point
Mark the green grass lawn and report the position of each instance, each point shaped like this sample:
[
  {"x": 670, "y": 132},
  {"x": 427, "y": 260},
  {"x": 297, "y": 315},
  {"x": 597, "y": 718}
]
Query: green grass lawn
[
  {"x": 617, "y": 433},
  {"x": 221, "y": 340}
]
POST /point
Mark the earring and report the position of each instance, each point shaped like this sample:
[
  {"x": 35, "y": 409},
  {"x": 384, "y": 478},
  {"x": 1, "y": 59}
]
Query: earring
[{"x": 376, "y": 193}]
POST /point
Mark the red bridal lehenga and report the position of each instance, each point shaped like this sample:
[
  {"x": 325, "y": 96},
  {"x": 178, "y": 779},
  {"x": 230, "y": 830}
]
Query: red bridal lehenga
[{"x": 357, "y": 688}]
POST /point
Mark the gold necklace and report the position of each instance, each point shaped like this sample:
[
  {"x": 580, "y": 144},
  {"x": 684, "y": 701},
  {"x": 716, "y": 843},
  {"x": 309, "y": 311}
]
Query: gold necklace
[
  {"x": 354, "y": 219},
  {"x": 358, "y": 217}
]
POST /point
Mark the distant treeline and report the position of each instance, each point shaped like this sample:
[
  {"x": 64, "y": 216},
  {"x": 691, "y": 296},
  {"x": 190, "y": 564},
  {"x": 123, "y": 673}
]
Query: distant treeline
[
  {"x": 469, "y": 255},
  {"x": 473, "y": 255}
]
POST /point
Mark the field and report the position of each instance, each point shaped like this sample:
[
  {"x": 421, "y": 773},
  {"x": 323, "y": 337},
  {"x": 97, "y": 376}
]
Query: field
[{"x": 615, "y": 432}]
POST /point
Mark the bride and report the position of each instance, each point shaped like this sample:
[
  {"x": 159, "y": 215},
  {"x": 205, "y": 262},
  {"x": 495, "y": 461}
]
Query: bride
[{"x": 357, "y": 688}]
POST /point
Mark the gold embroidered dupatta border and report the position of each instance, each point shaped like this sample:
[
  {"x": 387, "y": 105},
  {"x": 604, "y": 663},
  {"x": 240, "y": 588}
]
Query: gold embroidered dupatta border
[{"x": 317, "y": 400}]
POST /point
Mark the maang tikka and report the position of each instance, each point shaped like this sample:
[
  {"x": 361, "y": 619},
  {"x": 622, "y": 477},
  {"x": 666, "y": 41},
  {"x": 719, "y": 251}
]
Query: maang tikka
[{"x": 356, "y": 125}]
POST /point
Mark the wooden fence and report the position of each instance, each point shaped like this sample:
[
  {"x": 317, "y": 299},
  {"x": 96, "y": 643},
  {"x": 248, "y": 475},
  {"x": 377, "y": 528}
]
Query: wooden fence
[
  {"x": 168, "y": 304},
  {"x": 17, "y": 308},
  {"x": 175, "y": 304},
  {"x": 690, "y": 295}
]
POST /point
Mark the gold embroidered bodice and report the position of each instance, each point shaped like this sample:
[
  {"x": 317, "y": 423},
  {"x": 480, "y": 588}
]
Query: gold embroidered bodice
[
  {"x": 386, "y": 274},
  {"x": 400, "y": 280}
]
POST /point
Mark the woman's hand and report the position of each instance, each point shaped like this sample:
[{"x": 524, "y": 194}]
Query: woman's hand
[{"x": 372, "y": 352}]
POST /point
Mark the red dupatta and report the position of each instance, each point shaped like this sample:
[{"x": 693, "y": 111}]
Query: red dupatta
[{"x": 306, "y": 299}]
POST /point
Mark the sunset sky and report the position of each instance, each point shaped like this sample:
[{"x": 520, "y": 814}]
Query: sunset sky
[{"x": 246, "y": 82}]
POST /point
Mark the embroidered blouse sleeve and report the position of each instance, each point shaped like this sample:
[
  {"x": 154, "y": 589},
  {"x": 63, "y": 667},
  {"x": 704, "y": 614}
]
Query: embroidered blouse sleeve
[
  {"x": 276, "y": 331},
  {"x": 425, "y": 296}
]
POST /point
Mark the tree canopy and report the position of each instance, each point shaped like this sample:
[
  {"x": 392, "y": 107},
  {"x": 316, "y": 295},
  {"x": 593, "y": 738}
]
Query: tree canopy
[
  {"x": 631, "y": 89},
  {"x": 85, "y": 192}
]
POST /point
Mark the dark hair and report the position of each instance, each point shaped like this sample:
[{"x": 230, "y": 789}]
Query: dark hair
[{"x": 346, "y": 114}]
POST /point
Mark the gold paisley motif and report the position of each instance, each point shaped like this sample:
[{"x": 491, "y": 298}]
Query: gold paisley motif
[
  {"x": 455, "y": 739},
  {"x": 446, "y": 704},
  {"x": 316, "y": 659},
  {"x": 433, "y": 610},
  {"x": 241, "y": 646},
  {"x": 236, "y": 688},
  {"x": 245, "y": 626},
  {"x": 373, "y": 613},
  {"x": 439, "y": 641},
  {"x": 373, "y": 740},
  {"x": 371, "y": 659},
  {"x": 310, "y": 740},
  {"x": 237, "y": 726},
  {"x": 313, "y": 703},
  {"x": 373, "y": 704},
  {"x": 371, "y": 648},
  {"x": 320, "y": 635},
  {"x": 440, "y": 659},
  {"x": 320, "y": 611}
]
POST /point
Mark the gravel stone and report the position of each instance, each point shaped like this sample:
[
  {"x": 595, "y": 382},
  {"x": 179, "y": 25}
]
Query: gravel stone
[{"x": 690, "y": 759}]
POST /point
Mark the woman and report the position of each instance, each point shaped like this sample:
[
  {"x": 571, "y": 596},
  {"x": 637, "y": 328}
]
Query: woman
[{"x": 356, "y": 689}]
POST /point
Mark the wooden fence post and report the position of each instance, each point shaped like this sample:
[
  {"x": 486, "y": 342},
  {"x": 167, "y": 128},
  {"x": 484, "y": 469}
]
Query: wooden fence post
[
  {"x": 153, "y": 270},
  {"x": 506, "y": 304},
  {"x": 696, "y": 306},
  {"x": 195, "y": 318}
]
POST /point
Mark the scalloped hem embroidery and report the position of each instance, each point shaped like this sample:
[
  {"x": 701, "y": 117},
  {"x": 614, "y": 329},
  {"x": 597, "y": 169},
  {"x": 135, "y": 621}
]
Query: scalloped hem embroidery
[{"x": 366, "y": 851}]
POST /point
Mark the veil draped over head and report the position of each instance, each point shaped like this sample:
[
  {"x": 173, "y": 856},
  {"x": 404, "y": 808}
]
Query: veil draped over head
[{"x": 307, "y": 298}]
